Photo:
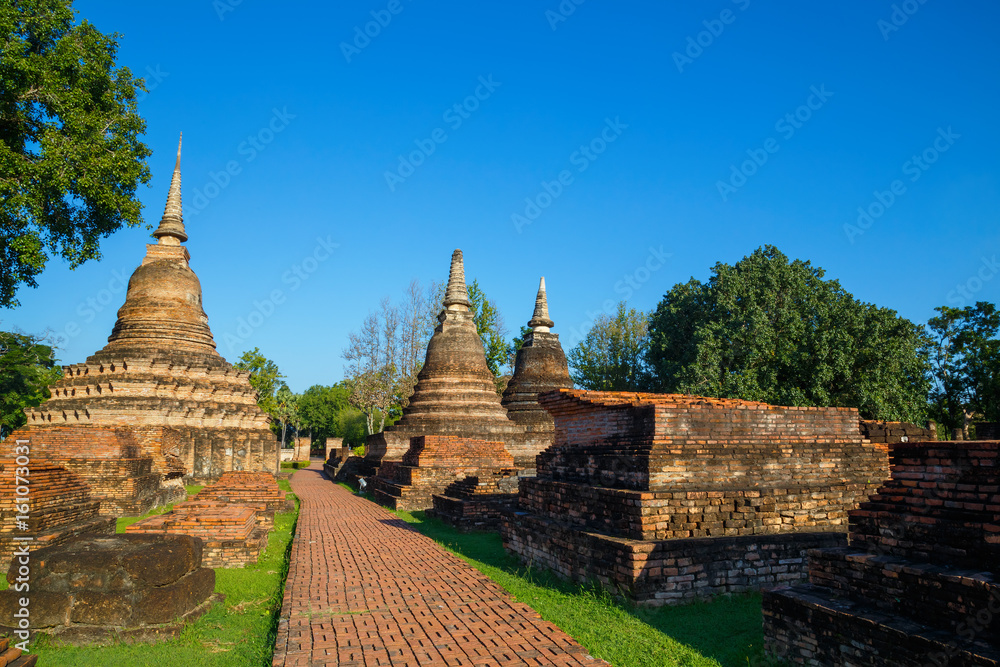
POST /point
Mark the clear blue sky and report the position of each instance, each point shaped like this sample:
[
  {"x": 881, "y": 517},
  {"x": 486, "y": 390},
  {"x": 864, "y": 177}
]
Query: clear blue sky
[{"x": 224, "y": 72}]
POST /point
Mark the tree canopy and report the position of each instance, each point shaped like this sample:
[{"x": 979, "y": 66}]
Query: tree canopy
[
  {"x": 769, "y": 329},
  {"x": 27, "y": 368},
  {"x": 964, "y": 351},
  {"x": 611, "y": 355},
  {"x": 492, "y": 331},
  {"x": 70, "y": 155},
  {"x": 265, "y": 378}
]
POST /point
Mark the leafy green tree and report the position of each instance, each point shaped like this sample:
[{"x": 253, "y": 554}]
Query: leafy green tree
[
  {"x": 265, "y": 378},
  {"x": 767, "y": 329},
  {"x": 611, "y": 357},
  {"x": 27, "y": 368},
  {"x": 321, "y": 410},
  {"x": 70, "y": 155},
  {"x": 964, "y": 351},
  {"x": 491, "y": 329}
]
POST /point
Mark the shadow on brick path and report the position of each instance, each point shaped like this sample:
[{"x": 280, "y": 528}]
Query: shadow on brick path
[{"x": 364, "y": 588}]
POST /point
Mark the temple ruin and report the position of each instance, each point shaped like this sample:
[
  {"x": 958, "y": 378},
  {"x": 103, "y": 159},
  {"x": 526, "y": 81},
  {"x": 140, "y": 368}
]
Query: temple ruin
[
  {"x": 918, "y": 584},
  {"x": 663, "y": 498},
  {"x": 158, "y": 405}
]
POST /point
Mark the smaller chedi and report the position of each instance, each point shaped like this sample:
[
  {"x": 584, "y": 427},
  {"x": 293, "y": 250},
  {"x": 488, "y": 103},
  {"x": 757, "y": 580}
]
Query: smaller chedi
[
  {"x": 455, "y": 393},
  {"x": 540, "y": 366},
  {"x": 158, "y": 405}
]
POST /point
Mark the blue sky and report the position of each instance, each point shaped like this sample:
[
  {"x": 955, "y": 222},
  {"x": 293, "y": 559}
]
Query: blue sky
[{"x": 639, "y": 143}]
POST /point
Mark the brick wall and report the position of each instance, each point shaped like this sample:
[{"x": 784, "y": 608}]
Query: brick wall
[{"x": 892, "y": 432}]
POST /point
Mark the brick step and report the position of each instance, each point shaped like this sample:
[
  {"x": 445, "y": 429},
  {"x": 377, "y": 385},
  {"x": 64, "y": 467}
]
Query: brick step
[
  {"x": 938, "y": 596},
  {"x": 377, "y": 484},
  {"x": 810, "y": 625},
  {"x": 385, "y": 500},
  {"x": 24, "y": 661}
]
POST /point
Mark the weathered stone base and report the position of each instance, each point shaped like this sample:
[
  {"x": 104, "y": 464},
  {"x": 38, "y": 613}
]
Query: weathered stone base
[
  {"x": 352, "y": 470},
  {"x": 659, "y": 572},
  {"x": 477, "y": 502},
  {"x": 808, "y": 626}
]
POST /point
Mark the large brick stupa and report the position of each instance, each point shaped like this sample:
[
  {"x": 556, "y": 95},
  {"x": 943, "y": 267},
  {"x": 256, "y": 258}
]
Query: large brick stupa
[{"x": 158, "y": 403}]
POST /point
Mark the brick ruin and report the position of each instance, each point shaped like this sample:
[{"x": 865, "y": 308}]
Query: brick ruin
[
  {"x": 434, "y": 462},
  {"x": 60, "y": 509},
  {"x": 919, "y": 583},
  {"x": 158, "y": 402},
  {"x": 892, "y": 432},
  {"x": 668, "y": 497},
  {"x": 233, "y": 518}
]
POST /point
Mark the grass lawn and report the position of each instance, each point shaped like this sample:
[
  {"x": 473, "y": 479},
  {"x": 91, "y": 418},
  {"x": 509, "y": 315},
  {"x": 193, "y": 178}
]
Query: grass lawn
[
  {"x": 236, "y": 633},
  {"x": 725, "y": 631}
]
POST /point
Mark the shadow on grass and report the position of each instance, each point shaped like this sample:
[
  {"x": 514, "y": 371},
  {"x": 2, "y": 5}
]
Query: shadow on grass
[{"x": 727, "y": 628}]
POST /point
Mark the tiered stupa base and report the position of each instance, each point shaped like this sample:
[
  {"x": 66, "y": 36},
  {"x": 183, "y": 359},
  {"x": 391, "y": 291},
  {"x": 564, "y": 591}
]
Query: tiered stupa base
[
  {"x": 919, "y": 584},
  {"x": 432, "y": 463}
]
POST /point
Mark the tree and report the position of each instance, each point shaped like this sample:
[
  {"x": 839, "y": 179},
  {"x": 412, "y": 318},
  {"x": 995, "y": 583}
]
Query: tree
[
  {"x": 373, "y": 369},
  {"x": 611, "y": 355},
  {"x": 766, "y": 329},
  {"x": 27, "y": 368},
  {"x": 418, "y": 317},
  {"x": 964, "y": 352},
  {"x": 492, "y": 331},
  {"x": 70, "y": 155},
  {"x": 265, "y": 378},
  {"x": 321, "y": 410},
  {"x": 286, "y": 411}
]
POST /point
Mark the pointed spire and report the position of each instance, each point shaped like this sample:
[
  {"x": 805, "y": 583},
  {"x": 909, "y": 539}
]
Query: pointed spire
[
  {"x": 456, "y": 294},
  {"x": 540, "y": 320},
  {"x": 171, "y": 229}
]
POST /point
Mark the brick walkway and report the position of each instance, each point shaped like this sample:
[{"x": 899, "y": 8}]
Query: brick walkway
[{"x": 366, "y": 589}]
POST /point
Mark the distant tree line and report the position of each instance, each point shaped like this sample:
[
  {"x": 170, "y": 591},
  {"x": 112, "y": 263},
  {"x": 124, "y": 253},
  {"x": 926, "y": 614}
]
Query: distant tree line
[{"x": 773, "y": 330}]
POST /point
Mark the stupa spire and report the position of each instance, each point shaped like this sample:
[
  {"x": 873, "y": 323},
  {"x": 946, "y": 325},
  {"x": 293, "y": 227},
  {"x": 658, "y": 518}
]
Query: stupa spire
[
  {"x": 171, "y": 229},
  {"x": 456, "y": 294},
  {"x": 540, "y": 320}
]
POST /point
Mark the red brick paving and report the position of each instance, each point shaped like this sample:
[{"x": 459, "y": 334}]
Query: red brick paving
[{"x": 365, "y": 589}]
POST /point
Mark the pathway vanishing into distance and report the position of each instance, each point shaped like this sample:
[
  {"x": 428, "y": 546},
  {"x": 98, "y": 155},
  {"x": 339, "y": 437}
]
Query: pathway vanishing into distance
[{"x": 364, "y": 589}]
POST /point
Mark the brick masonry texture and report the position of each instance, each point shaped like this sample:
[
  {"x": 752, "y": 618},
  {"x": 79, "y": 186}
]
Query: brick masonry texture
[
  {"x": 887, "y": 432},
  {"x": 631, "y": 475},
  {"x": 11, "y": 656},
  {"x": 431, "y": 464},
  {"x": 477, "y": 502},
  {"x": 918, "y": 584},
  {"x": 366, "y": 589},
  {"x": 60, "y": 508},
  {"x": 130, "y": 587}
]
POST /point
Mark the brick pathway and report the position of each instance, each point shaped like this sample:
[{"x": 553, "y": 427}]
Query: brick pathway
[{"x": 365, "y": 589}]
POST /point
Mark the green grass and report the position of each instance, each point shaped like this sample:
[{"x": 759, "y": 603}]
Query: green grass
[
  {"x": 294, "y": 465},
  {"x": 237, "y": 632},
  {"x": 725, "y": 631}
]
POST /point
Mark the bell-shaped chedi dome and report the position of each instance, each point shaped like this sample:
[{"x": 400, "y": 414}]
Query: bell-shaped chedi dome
[
  {"x": 163, "y": 311},
  {"x": 455, "y": 393},
  {"x": 540, "y": 366},
  {"x": 160, "y": 373}
]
